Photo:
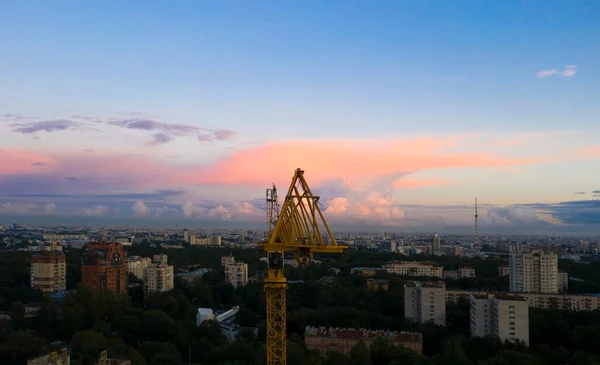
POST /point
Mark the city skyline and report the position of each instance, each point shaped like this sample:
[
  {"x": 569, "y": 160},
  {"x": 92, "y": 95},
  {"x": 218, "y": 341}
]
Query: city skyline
[{"x": 400, "y": 113}]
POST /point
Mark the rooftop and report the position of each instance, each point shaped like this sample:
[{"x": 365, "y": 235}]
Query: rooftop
[{"x": 363, "y": 334}]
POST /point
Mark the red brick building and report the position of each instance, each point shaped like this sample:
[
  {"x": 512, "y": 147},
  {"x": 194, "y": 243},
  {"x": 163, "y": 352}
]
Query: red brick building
[
  {"x": 104, "y": 267},
  {"x": 342, "y": 340}
]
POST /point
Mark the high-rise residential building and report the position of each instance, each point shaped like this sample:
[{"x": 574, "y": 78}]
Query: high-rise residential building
[
  {"x": 215, "y": 240},
  {"x": 532, "y": 271},
  {"x": 237, "y": 273},
  {"x": 504, "y": 315},
  {"x": 136, "y": 265},
  {"x": 104, "y": 267},
  {"x": 425, "y": 302},
  {"x": 49, "y": 272},
  {"x": 158, "y": 277},
  {"x": 436, "y": 247},
  {"x": 186, "y": 235},
  {"x": 563, "y": 282}
]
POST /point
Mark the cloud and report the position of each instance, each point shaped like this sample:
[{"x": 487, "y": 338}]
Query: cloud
[
  {"x": 160, "y": 138},
  {"x": 153, "y": 125},
  {"x": 579, "y": 193},
  {"x": 224, "y": 134},
  {"x": 46, "y": 126},
  {"x": 96, "y": 211},
  {"x": 326, "y": 160},
  {"x": 38, "y": 164},
  {"x": 568, "y": 71},
  {"x": 418, "y": 183},
  {"x": 140, "y": 209}
]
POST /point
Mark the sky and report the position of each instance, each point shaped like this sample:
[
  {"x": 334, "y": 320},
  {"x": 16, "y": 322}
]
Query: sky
[{"x": 399, "y": 112}]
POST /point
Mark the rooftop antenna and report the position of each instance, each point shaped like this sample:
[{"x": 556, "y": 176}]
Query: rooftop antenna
[{"x": 476, "y": 224}]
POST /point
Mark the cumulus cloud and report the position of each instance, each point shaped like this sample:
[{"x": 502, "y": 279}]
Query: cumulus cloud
[
  {"x": 96, "y": 211},
  {"x": 567, "y": 71},
  {"x": 235, "y": 211},
  {"x": 140, "y": 209}
]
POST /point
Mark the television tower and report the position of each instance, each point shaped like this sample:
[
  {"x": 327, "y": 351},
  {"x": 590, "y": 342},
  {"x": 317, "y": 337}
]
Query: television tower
[{"x": 476, "y": 224}]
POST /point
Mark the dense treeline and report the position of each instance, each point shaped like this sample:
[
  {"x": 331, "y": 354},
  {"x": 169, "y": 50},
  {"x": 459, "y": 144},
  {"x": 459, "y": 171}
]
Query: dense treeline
[{"x": 161, "y": 328}]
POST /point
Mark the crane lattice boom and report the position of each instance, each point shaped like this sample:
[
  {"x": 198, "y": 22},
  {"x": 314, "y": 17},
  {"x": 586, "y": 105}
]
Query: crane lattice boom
[{"x": 297, "y": 226}]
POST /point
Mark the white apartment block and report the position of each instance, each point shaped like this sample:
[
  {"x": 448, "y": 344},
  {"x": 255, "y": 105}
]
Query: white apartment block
[
  {"x": 425, "y": 302},
  {"x": 466, "y": 272},
  {"x": 506, "y": 316},
  {"x": 588, "y": 302},
  {"x": 158, "y": 277},
  {"x": 563, "y": 282},
  {"x": 136, "y": 265},
  {"x": 407, "y": 268},
  {"x": 237, "y": 274},
  {"x": 532, "y": 272}
]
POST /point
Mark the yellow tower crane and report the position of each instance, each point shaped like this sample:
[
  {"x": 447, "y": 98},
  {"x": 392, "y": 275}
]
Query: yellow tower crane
[{"x": 298, "y": 227}]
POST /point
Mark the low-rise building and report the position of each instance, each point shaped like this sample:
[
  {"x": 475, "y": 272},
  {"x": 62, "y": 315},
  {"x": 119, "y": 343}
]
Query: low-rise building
[
  {"x": 342, "y": 340},
  {"x": 419, "y": 269},
  {"x": 503, "y": 271},
  {"x": 377, "y": 284},
  {"x": 466, "y": 272},
  {"x": 365, "y": 271},
  {"x": 59, "y": 357}
]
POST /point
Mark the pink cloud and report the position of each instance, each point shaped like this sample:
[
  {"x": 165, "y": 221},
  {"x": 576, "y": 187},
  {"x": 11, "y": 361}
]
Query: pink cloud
[
  {"x": 13, "y": 161},
  {"x": 418, "y": 183},
  {"x": 346, "y": 159}
]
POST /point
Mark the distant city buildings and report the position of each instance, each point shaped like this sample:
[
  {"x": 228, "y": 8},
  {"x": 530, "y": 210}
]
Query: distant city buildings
[
  {"x": 49, "y": 272},
  {"x": 104, "y": 267},
  {"x": 425, "y": 302},
  {"x": 342, "y": 340},
  {"x": 563, "y": 282},
  {"x": 436, "y": 246},
  {"x": 532, "y": 271},
  {"x": 504, "y": 315}
]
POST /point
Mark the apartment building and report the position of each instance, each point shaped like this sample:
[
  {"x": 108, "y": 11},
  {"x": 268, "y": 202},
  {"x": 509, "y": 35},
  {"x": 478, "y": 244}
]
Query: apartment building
[
  {"x": 49, "y": 272},
  {"x": 226, "y": 260},
  {"x": 425, "y": 302},
  {"x": 342, "y": 340},
  {"x": 104, "y": 267},
  {"x": 532, "y": 271},
  {"x": 504, "y": 315},
  {"x": 136, "y": 265},
  {"x": 466, "y": 272},
  {"x": 58, "y": 357},
  {"x": 589, "y": 302},
  {"x": 563, "y": 282},
  {"x": 237, "y": 274},
  {"x": 503, "y": 271},
  {"x": 408, "y": 268},
  {"x": 158, "y": 276},
  {"x": 213, "y": 241},
  {"x": 160, "y": 259}
]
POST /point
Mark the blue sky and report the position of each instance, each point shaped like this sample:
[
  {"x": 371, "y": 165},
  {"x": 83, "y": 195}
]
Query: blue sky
[{"x": 274, "y": 71}]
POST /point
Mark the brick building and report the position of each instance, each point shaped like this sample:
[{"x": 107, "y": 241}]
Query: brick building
[
  {"x": 104, "y": 267},
  {"x": 342, "y": 340}
]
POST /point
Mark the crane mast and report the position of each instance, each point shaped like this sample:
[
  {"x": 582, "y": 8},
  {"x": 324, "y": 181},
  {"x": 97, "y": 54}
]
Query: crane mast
[{"x": 297, "y": 227}]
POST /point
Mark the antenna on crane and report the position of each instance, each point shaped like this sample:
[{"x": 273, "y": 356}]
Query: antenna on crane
[{"x": 476, "y": 224}]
